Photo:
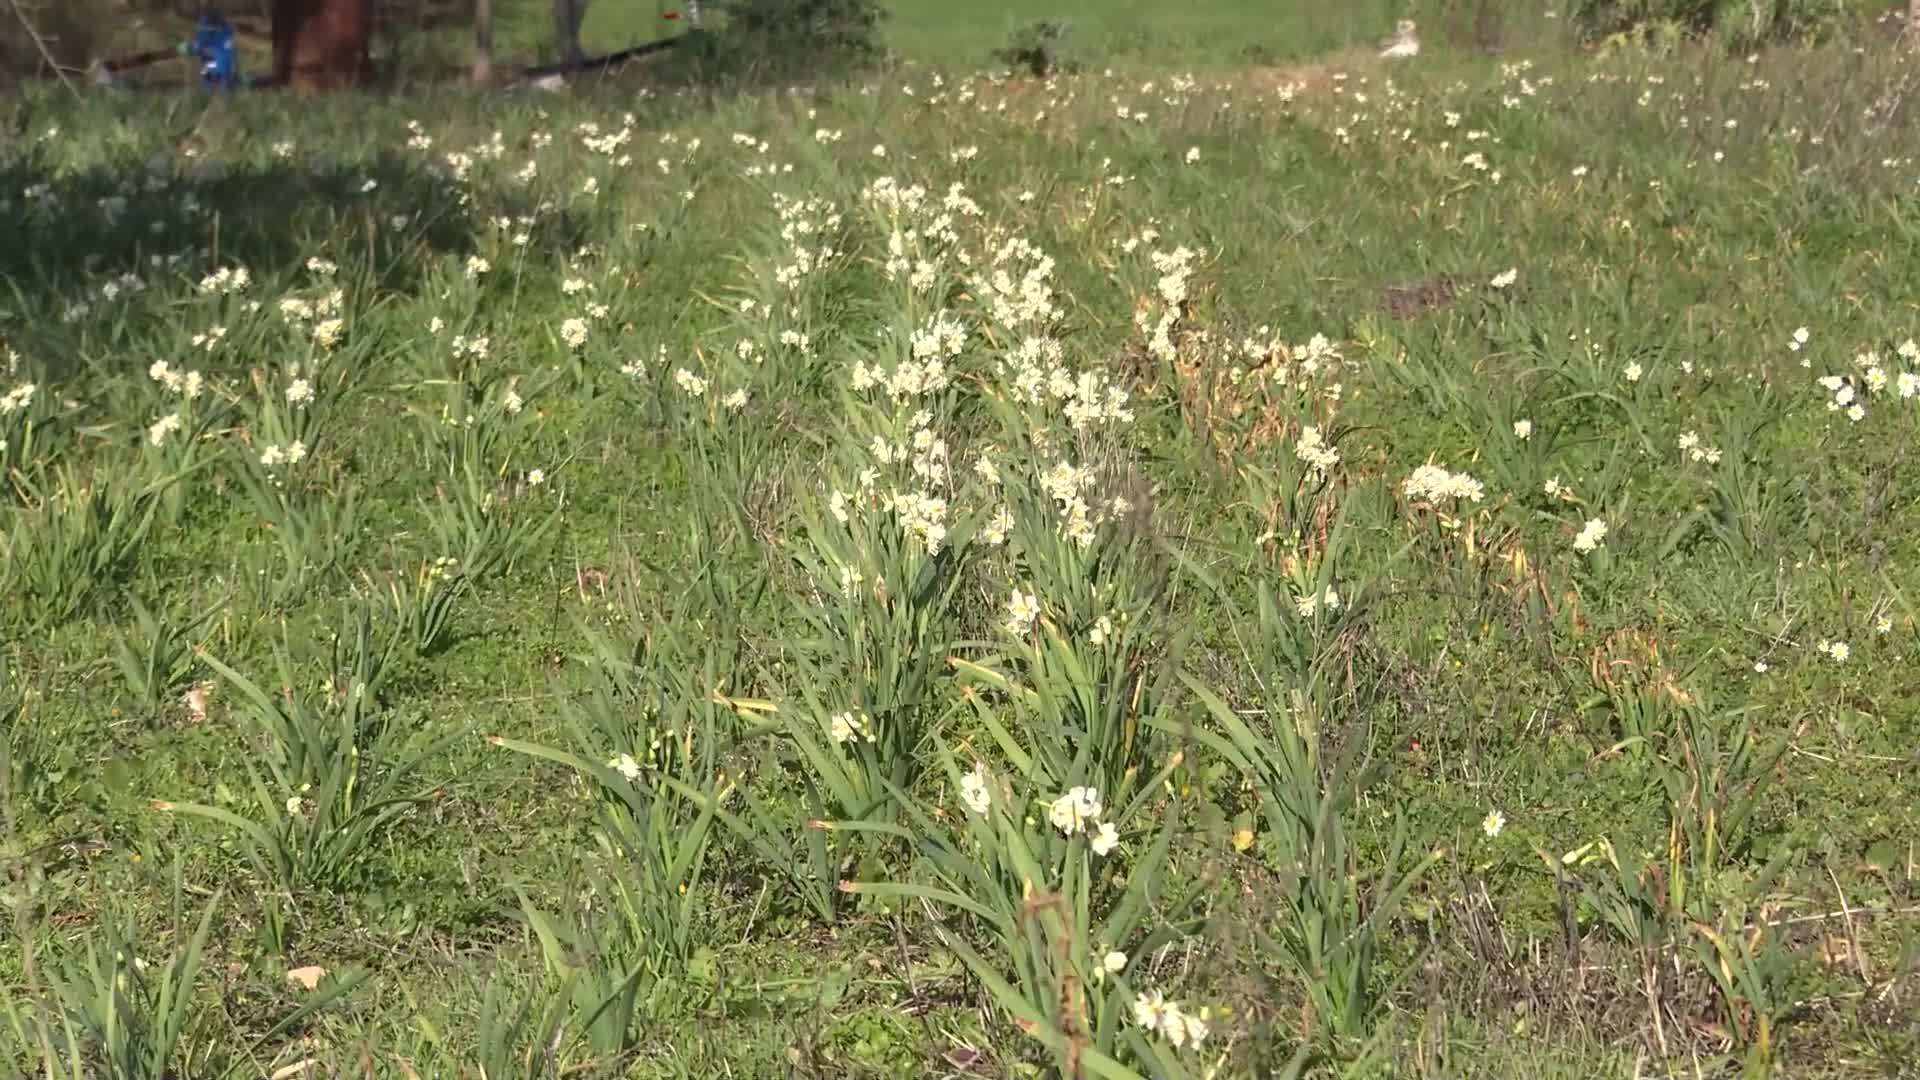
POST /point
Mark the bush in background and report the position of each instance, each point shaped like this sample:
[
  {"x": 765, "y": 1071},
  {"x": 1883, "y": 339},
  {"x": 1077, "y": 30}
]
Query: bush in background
[
  {"x": 1744, "y": 22},
  {"x": 71, "y": 31},
  {"x": 1039, "y": 49},
  {"x": 811, "y": 35}
]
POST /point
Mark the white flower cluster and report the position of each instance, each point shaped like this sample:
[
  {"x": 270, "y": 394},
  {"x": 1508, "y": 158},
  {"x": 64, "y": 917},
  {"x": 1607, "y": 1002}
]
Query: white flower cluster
[
  {"x": 227, "y": 279},
  {"x": 1023, "y": 609},
  {"x": 694, "y": 385},
  {"x": 17, "y": 398},
  {"x": 851, "y": 726},
  {"x": 1067, "y": 483},
  {"x": 943, "y": 336},
  {"x": 1310, "y": 604},
  {"x": 1433, "y": 483},
  {"x": 188, "y": 384},
  {"x": 1024, "y": 303},
  {"x": 1039, "y": 377},
  {"x": 1847, "y": 391},
  {"x": 921, "y": 234},
  {"x": 605, "y": 144},
  {"x": 922, "y": 517},
  {"x": 293, "y": 453},
  {"x": 1696, "y": 451},
  {"x": 998, "y": 527},
  {"x": 976, "y": 789},
  {"x": 1079, "y": 811},
  {"x": 808, "y": 227},
  {"x": 300, "y": 310},
  {"x": 1312, "y": 448},
  {"x": 475, "y": 348},
  {"x": 1176, "y": 269},
  {"x": 1155, "y": 1013}
]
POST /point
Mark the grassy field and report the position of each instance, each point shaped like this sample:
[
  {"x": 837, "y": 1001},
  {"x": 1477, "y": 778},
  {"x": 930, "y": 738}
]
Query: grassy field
[
  {"x": 1308, "y": 568},
  {"x": 1205, "y": 33}
]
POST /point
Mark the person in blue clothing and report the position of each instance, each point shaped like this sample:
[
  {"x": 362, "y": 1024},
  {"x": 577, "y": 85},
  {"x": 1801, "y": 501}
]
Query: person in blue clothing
[{"x": 212, "y": 46}]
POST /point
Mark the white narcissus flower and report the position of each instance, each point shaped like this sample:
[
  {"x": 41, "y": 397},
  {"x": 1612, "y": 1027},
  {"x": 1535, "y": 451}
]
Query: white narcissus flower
[
  {"x": 850, "y": 726},
  {"x": 1022, "y": 610},
  {"x": 1105, "y": 839},
  {"x": 162, "y": 428},
  {"x": 1592, "y": 535},
  {"x": 1074, "y": 811},
  {"x": 694, "y": 385},
  {"x": 625, "y": 766},
  {"x": 975, "y": 789},
  {"x": 1184, "y": 1029},
  {"x": 1150, "y": 1009}
]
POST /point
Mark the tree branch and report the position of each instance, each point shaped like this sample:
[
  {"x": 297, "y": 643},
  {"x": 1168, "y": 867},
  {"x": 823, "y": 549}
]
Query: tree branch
[{"x": 41, "y": 44}]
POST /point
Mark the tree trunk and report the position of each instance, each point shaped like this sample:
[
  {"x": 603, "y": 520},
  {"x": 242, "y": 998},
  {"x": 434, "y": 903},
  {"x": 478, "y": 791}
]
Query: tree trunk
[
  {"x": 482, "y": 42},
  {"x": 322, "y": 44},
  {"x": 567, "y": 15}
]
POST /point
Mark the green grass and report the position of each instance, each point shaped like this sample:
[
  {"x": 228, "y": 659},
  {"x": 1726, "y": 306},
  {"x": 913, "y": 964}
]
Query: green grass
[
  {"x": 257, "y": 675},
  {"x": 1208, "y": 33}
]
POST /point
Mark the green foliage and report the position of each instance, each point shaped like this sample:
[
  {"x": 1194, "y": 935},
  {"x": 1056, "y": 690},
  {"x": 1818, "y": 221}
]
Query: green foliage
[
  {"x": 1326, "y": 933},
  {"x": 1744, "y": 23},
  {"x": 155, "y": 655},
  {"x": 421, "y": 604},
  {"x": 772, "y": 38},
  {"x": 71, "y": 543},
  {"x": 338, "y": 773},
  {"x": 1040, "y": 49},
  {"x": 846, "y": 29},
  {"x": 649, "y": 741},
  {"x": 125, "y": 1005},
  {"x": 1105, "y": 575}
]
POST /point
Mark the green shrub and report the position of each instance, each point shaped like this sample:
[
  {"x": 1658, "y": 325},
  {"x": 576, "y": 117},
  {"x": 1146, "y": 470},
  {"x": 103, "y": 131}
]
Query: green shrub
[
  {"x": 816, "y": 35},
  {"x": 1040, "y": 49},
  {"x": 67, "y": 32},
  {"x": 1744, "y": 22}
]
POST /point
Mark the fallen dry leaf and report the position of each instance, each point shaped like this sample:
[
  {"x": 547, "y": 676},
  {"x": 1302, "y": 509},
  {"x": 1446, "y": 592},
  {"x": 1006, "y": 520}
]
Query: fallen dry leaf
[{"x": 308, "y": 977}]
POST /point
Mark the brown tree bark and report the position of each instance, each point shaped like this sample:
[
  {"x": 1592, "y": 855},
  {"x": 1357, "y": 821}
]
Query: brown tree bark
[
  {"x": 482, "y": 42},
  {"x": 322, "y": 44},
  {"x": 567, "y": 16}
]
